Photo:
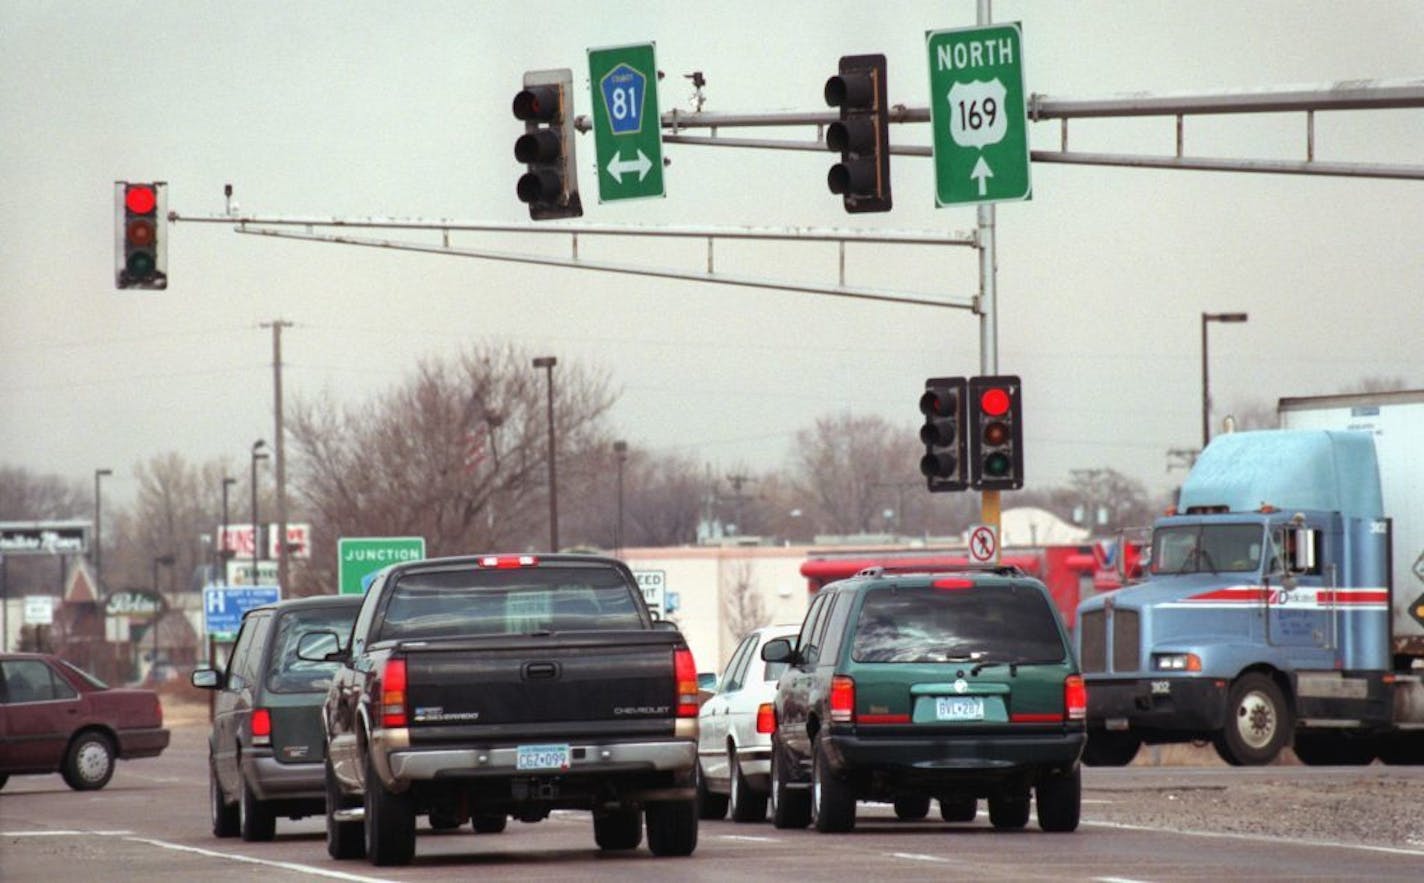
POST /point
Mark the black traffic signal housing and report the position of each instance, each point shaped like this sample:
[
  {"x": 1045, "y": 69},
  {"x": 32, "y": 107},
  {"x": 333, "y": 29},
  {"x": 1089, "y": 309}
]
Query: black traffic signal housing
[
  {"x": 550, "y": 185},
  {"x": 140, "y": 242},
  {"x": 944, "y": 463},
  {"x": 862, "y": 135},
  {"x": 996, "y": 433}
]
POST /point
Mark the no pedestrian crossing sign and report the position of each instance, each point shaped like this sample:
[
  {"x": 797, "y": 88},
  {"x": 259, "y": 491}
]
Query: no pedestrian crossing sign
[
  {"x": 978, "y": 115},
  {"x": 360, "y": 557},
  {"x": 627, "y": 126}
]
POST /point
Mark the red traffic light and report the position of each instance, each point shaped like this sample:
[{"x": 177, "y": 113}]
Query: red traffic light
[
  {"x": 994, "y": 401},
  {"x": 140, "y": 199}
]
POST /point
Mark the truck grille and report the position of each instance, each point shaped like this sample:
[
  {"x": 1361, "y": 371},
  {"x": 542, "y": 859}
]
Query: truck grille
[
  {"x": 1093, "y": 638},
  {"x": 1127, "y": 641}
]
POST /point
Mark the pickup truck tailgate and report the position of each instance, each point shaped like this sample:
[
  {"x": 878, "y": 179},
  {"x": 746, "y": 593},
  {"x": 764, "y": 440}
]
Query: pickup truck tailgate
[{"x": 566, "y": 684}]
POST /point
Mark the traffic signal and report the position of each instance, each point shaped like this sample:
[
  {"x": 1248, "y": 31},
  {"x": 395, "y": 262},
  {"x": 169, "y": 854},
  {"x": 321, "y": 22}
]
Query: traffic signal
[
  {"x": 546, "y": 105},
  {"x": 141, "y": 246},
  {"x": 943, "y": 433},
  {"x": 995, "y": 433},
  {"x": 862, "y": 135}
]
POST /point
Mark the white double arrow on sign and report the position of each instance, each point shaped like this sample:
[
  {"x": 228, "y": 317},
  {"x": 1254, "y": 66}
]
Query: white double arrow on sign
[{"x": 618, "y": 166}]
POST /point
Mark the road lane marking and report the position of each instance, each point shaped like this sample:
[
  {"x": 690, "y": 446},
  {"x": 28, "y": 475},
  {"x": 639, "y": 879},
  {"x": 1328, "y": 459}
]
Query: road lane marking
[
  {"x": 1261, "y": 838},
  {"x": 919, "y": 857},
  {"x": 748, "y": 838},
  {"x": 286, "y": 866},
  {"x": 63, "y": 833}
]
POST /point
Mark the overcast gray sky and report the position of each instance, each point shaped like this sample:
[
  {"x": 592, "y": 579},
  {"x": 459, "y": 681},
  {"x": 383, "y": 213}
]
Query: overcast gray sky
[{"x": 359, "y": 109}]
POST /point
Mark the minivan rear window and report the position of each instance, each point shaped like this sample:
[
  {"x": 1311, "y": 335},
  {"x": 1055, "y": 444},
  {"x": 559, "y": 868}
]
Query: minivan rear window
[
  {"x": 999, "y": 623},
  {"x": 289, "y": 673},
  {"x": 476, "y": 601}
]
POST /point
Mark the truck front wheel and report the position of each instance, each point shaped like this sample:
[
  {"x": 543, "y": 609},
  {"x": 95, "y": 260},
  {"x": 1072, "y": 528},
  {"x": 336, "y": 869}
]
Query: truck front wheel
[{"x": 1258, "y": 722}]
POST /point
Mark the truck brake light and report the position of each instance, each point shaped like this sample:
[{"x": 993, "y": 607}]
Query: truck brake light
[
  {"x": 393, "y": 681},
  {"x": 843, "y": 699},
  {"x": 261, "y": 727},
  {"x": 766, "y": 718},
  {"x": 1075, "y": 698},
  {"x": 685, "y": 671},
  {"x": 509, "y": 562}
]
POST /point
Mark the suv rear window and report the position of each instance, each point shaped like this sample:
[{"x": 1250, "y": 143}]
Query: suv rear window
[
  {"x": 999, "y": 623},
  {"x": 509, "y": 602},
  {"x": 288, "y": 673}
]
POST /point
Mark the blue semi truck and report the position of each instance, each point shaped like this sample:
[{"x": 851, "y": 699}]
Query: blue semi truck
[{"x": 1284, "y": 600}]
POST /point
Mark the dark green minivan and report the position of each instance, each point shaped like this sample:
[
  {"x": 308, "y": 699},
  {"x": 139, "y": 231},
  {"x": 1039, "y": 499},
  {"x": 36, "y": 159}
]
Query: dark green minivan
[{"x": 907, "y": 687}]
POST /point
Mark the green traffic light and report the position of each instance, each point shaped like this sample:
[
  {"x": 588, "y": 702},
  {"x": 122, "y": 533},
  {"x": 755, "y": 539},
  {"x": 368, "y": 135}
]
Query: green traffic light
[{"x": 997, "y": 464}]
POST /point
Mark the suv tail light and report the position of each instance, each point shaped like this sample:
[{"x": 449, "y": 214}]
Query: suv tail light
[
  {"x": 685, "y": 670},
  {"x": 1075, "y": 698},
  {"x": 261, "y": 726},
  {"x": 392, "y": 711},
  {"x": 843, "y": 699},
  {"x": 766, "y": 718}
]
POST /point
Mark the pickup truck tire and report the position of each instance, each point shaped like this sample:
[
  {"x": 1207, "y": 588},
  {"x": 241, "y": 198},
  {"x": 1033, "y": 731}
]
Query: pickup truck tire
[
  {"x": 1110, "y": 749},
  {"x": 619, "y": 829},
  {"x": 747, "y": 805},
  {"x": 343, "y": 839},
  {"x": 832, "y": 801},
  {"x": 710, "y": 805},
  {"x": 225, "y": 816},
  {"x": 258, "y": 823},
  {"x": 1258, "y": 722},
  {"x": 958, "y": 808},
  {"x": 672, "y": 826},
  {"x": 1060, "y": 801},
  {"x": 489, "y": 823},
  {"x": 911, "y": 808},
  {"x": 390, "y": 823},
  {"x": 1008, "y": 809},
  {"x": 789, "y": 808}
]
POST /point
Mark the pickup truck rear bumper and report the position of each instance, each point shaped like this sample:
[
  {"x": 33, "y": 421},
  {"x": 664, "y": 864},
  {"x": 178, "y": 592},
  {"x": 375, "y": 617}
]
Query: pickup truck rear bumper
[{"x": 412, "y": 764}]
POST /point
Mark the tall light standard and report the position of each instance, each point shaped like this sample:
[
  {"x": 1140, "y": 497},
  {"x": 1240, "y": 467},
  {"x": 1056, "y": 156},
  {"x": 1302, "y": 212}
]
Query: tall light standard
[
  {"x": 257, "y": 454},
  {"x": 99, "y": 532},
  {"x": 548, "y": 363},
  {"x": 223, "y": 552},
  {"x": 1206, "y": 387},
  {"x": 620, "y": 451},
  {"x": 166, "y": 561}
]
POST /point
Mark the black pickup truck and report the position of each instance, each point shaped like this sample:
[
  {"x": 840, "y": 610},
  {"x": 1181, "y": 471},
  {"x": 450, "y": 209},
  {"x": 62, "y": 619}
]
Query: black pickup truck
[{"x": 483, "y": 688}]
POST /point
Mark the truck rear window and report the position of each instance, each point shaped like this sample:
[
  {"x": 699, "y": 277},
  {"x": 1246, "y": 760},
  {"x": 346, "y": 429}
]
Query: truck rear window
[
  {"x": 1001, "y": 623},
  {"x": 475, "y": 602}
]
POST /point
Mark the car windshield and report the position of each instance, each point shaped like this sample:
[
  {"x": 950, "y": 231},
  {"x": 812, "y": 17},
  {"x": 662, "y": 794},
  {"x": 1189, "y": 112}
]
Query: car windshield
[
  {"x": 1207, "y": 548},
  {"x": 290, "y": 673},
  {"x": 999, "y": 623},
  {"x": 479, "y": 601}
]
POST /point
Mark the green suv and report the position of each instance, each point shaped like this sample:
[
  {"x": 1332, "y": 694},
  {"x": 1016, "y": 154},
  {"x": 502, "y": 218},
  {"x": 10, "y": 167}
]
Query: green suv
[{"x": 902, "y": 687}]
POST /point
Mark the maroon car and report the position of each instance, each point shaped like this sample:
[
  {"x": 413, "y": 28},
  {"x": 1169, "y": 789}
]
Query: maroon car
[{"x": 55, "y": 717}]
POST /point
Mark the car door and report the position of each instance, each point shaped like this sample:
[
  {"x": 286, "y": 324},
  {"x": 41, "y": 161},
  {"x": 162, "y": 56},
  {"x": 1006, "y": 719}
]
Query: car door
[
  {"x": 793, "y": 698},
  {"x": 234, "y": 701},
  {"x": 41, "y": 709},
  {"x": 712, "y": 731}
]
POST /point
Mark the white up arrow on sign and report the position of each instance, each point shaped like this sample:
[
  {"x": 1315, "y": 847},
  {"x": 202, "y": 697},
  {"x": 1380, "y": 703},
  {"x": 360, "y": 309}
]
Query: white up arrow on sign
[
  {"x": 617, "y": 166},
  {"x": 981, "y": 173}
]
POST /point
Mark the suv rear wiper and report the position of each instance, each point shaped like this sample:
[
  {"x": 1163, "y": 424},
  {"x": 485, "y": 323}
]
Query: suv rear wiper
[{"x": 1013, "y": 667}]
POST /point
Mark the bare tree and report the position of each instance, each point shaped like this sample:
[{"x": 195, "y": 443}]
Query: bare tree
[
  {"x": 743, "y": 608},
  {"x": 840, "y": 465},
  {"x": 457, "y": 454}
]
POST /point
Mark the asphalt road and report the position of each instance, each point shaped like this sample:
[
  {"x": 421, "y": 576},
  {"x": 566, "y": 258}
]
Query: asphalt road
[{"x": 151, "y": 824}]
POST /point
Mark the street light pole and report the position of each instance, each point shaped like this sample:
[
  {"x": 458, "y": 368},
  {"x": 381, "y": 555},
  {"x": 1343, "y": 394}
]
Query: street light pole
[
  {"x": 223, "y": 553},
  {"x": 99, "y": 533},
  {"x": 620, "y": 451},
  {"x": 257, "y": 454},
  {"x": 166, "y": 561},
  {"x": 1206, "y": 387},
  {"x": 548, "y": 363}
]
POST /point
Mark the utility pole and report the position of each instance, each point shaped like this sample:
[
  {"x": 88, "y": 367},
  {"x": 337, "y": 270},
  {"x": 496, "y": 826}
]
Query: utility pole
[{"x": 280, "y": 453}]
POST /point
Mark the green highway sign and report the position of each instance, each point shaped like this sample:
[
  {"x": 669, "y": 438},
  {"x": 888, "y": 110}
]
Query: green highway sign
[
  {"x": 979, "y": 115},
  {"x": 627, "y": 126},
  {"x": 359, "y": 557}
]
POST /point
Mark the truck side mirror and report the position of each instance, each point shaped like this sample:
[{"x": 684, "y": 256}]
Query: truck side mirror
[{"x": 1300, "y": 544}]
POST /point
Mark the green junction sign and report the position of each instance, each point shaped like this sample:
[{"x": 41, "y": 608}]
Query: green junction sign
[
  {"x": 978, "y": 112},
  {"x": 627, "y": 126},
  {"x": 359, "y": 557}
]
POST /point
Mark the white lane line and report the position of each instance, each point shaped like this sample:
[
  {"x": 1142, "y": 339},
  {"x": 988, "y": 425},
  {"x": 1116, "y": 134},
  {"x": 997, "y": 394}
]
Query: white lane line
[
  {"x": 920, "y": 857},
  {"x": 1260, "y": 838},
  {"x": 748, "y": 838},
  {"x": 1117, "y": 880},
  {"x": 63, "y": 833},
  {"x": 286, "y": 866}
]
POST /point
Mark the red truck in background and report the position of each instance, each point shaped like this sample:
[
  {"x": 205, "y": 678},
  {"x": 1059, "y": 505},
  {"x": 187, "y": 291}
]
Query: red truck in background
[{"x": 1072, "y": 573}]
